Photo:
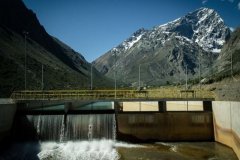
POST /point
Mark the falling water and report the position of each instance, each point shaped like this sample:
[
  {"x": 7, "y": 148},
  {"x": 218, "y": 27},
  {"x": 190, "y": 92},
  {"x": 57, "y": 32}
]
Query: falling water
[
  {"x": 114, "y": 128},
  {"x": 38, "y": 124},
  {"x": 88, "y": 127},
  {"x": 74, "y": 127},
  {"x": 83, "y": 137},
  {"x": 48, "y": 127},
  {"x": 62, "y": 131}
]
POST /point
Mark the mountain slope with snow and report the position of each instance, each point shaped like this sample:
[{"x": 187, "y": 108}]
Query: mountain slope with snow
[{"x": 164, "y": 52}]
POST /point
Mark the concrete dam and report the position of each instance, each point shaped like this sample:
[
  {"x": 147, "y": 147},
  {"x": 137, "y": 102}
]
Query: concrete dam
[{"x": 128, "y": 121}]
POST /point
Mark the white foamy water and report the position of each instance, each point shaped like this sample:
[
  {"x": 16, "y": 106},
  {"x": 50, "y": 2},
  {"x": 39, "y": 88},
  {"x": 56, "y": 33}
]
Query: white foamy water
[{"x": 82, "y": 150}]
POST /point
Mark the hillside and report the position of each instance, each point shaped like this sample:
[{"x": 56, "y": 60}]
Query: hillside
[
  {"x": 226, "y": 84},
  {"x": 230, "y": 53},
  {"x": 63, "y": 67}
]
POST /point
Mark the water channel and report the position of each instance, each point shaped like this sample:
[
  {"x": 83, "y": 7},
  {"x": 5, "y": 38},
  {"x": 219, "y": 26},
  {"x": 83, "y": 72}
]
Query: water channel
[{"x": 93, "y": 137}]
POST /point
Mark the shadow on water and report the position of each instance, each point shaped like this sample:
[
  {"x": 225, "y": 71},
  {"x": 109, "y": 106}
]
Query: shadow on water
[
  {"x": 178, "y": 151},
  {"x": 22, "y": 142}
]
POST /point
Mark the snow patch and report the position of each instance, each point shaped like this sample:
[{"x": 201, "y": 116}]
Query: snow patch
[
  {"x": 208, "y": 13},
  {"x": 114, "y": 49},
  {"x": 215, "y": 50},
  {"x": 128, "y": 44},
  {"x": 164, "y": 26},
  {"x": 182, "y": 38}
]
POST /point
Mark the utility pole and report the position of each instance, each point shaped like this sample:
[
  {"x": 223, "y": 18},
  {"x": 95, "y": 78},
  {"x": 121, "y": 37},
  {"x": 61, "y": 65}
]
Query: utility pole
[
  {"x": 232, "y": 67},
  {"x": 179, "y": 77},
  {"x": 25, "y": 60},
  {"x": 42, "y": 79},
  {"x": 212, "y": 66},
  {"x": 199, "y": 70},
  {"x": 187, "y": 85},
  {"x": 139, "y": 77},
  {"x": 91, "y": 78},
  {"x": 115, "y": 76},
  {"x": 231, "y": 64},
  {"x": 186, "y": 78}
]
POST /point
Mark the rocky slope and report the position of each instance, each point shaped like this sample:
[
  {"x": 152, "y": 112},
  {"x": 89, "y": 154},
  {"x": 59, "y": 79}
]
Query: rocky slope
[
  {"x": 224, "y": 83},
  {"x": 230, "y": 53},
  {"x": 63, "y": 67},
  {"x": 163, "y": 53}
]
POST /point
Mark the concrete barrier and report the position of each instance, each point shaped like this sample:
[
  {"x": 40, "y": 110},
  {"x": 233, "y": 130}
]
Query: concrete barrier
[
  {"x": 168, "y": 126},
  {"x": 7, "y": 112},
  {"x": 226, "y": 117}
]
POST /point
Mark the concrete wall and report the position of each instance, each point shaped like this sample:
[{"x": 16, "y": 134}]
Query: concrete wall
[
  {"x": 170, "y": 106},
  {"x": 168, "y": 126},
  {"x": 140, "y": 106},
  {"x": 226, "y": 117},
  {"x": 184, "y": 105},
  {"x": 7, "y": 112}
]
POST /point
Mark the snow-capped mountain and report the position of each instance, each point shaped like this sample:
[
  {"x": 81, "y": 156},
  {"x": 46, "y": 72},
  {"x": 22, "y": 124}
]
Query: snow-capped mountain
[
  {"x": 165, "y": 50},
  {"x": 127, "y": 44},
  {"x": 203, "y": 26}
]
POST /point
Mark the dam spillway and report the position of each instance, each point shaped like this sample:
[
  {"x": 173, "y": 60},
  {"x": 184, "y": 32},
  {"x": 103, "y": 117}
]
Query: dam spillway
[
  {"x": 163, "y": 123},
  {"x": 74, "y": 127},
  {"x": 129, "y": 121}
]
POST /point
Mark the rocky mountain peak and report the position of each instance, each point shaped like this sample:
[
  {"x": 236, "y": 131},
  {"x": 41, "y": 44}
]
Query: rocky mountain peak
[
  {"x": 128, "y": 43},
  {"x": 203, "y": 26},
  {"x": 165, "y": 51}
]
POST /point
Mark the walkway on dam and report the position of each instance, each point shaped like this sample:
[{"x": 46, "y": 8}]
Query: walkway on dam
[{"x": 112, "y": 94}]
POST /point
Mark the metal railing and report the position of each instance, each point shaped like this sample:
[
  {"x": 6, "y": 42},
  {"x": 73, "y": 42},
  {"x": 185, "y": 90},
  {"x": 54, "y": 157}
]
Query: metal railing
[{"x": 109, "y": 94}]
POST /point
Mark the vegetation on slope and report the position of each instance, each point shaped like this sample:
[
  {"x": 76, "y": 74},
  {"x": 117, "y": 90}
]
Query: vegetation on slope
[{"x": 63, "y": 68}]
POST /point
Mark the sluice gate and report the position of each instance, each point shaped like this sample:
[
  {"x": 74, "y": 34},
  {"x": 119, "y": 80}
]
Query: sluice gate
[{"x": 133, "y": 120}]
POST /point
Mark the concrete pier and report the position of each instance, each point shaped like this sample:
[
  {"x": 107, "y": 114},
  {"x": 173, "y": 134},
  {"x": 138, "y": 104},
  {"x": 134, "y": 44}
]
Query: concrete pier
[
  {"x": 7, "y": 113},
  {"x": 226, "y": 117}
]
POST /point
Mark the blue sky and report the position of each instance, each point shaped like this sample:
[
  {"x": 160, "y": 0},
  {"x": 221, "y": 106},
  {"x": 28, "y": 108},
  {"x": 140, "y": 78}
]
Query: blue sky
[{"x": 92, "y": 27}]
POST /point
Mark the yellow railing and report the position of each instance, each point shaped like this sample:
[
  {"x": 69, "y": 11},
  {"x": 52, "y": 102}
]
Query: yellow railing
[{"x": 108, "y": 94}]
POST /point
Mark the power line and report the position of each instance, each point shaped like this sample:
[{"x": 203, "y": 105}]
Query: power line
[
  {"x": 139, "y": 77},
  {"x": 186, "y": 78}
]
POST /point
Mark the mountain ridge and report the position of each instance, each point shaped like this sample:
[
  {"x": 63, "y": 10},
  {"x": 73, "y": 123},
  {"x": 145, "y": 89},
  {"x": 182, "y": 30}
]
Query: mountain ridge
[
  {"x": 63, "y": 68},
  {"x": 16, "y": 16},
  {"x": 166, "y": 49}
]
